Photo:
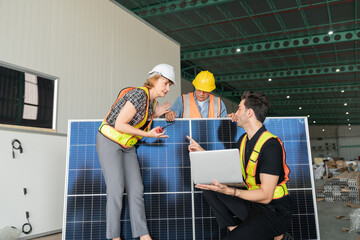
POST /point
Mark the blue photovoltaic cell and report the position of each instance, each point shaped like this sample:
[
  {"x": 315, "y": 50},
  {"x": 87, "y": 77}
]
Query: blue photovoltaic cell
[{"x": 174, "y": 209}]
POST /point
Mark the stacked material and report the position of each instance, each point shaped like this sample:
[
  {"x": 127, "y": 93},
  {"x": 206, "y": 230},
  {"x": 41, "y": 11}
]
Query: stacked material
[{"x": 342, "y": 188}]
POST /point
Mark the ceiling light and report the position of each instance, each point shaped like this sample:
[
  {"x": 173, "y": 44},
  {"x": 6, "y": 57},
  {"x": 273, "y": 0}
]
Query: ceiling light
[
  {"x": 349, "y": 128},
  {"x": 338, "y": 70},
  {"x": 349, "y": 124},
  {"x": 345, "y": 104},
  {"x": 269, "y": 79},
  {"x": 323, "y": 129},
  {"x": 347, "y": 112},
  {"x": 308, "y": 115},
  {"x": 348, "y": 119},
  {"x": 314, "y": 121},
  {"x": 287, "y": 96},
  {"x": 330, "y": 32},
  {"x": 300, "y": 108},
  {"x": 238, "y": 50},
  {"x": 342, "y": 91}
]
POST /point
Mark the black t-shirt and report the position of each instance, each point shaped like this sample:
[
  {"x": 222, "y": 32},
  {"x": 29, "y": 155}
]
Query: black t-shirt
[{"x": 270, "y": 160}]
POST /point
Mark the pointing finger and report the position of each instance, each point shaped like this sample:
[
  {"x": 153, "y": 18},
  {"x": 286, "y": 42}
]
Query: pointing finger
[{"x": 192, "y": 140}]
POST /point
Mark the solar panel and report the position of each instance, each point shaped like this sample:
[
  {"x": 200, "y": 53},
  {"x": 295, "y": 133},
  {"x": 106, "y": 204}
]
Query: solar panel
[{"x": 174, "y": 208}]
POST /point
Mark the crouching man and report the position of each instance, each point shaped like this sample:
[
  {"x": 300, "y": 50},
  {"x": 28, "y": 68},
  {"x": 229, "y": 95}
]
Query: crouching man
[{"x": 263, "y": 210}]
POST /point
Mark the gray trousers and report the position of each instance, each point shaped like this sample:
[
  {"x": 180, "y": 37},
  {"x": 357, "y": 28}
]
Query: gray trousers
[{"x": 121, "y": 170}]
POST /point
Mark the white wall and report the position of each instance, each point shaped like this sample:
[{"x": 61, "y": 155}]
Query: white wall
[
  {"x": 349, "y": 142},
  {"x": 335, "y": 141},
  {"x": 40, "y": 169},
  {"x": 95, "y": 48}
]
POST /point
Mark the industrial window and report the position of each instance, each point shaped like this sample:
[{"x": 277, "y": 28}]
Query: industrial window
[{"x": 27, "y": 99}]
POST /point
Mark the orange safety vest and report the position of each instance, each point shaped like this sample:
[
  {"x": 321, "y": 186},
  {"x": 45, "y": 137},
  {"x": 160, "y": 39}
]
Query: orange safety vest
[
  {"x": 191, "y": 110},
  {"x": 249, "y": 174},
  {"x": 124, "y": 139}
]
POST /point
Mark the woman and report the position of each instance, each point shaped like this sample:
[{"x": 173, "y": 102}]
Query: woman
[{"x": 128, "y": 121}]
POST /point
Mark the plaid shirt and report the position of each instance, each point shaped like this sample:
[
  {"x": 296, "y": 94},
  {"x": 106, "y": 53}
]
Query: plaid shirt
[{"x": 139, "y": 99}]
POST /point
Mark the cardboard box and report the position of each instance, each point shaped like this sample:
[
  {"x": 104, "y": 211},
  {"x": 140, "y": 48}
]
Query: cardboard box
[
  {"x": 330, "y": 163},
  {"x": 340, "y": 164},
  {"x": 318, "y": 160}
]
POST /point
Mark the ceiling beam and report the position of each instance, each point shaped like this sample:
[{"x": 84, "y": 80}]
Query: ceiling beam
[
  {"x": 343, "y": 117},
  {"x": 329, "y": 13},
  {"x": 264, "y": 35},
  {"x": 324, "y": 119},
  {"x": 301, "y": 72},
  {"x": 307, "y": 41},
  {"x": 299, "y": 90},
  {"x": 315, "y": 101},
  {"x": 332, "y": 121},
  {"x": 250, "y": 14},
  {"x": 351, "y": 111},
  {"x": 175, "y": 6},
  {"x": 296, "y": 58},
  {"x": 187, "y": 75},
  {"x": 289, "y": 73}
]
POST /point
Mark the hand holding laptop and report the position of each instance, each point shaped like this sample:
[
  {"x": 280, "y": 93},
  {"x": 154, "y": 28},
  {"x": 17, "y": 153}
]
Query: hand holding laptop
[{"x": 217, "y": 187}]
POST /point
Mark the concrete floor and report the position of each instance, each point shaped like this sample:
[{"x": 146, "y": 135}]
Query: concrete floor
[{"x": 330, "y": 226}]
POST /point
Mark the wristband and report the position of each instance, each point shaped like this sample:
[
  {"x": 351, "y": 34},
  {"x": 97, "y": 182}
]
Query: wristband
[{"x": 234, "y": 192}]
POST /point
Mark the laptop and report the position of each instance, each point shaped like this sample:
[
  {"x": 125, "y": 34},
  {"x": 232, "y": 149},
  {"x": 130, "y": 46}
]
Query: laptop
[{"x": 222, "y": 165}]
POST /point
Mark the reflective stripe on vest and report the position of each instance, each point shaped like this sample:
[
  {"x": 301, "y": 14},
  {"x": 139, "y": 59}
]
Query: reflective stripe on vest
[
  {"x": 191, "y": 110},
  {"x": 249, "y": 173},
  {"x": 124, "y": 139}
]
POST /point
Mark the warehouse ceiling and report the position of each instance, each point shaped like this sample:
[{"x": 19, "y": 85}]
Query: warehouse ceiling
[{"x": 304, "y": 55}]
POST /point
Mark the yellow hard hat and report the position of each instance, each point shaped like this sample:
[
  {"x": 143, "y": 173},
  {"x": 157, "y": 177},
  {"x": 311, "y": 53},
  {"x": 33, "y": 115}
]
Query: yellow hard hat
[{"x": 204, "y": 81}]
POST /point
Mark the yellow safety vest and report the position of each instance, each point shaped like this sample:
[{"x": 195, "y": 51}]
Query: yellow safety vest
[
  {"x": 191, "y": 110},
  {"x": 124, "y": 139},
  {"x": 249, "y": 174}
]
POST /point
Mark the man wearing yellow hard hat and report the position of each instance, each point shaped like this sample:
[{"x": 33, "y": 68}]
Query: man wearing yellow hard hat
[{"x": 198, "y": 104}]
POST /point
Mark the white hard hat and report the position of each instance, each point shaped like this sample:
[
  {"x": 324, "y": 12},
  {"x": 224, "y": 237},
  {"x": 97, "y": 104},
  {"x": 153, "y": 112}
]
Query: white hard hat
[{"x": 164, "y": 70}]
